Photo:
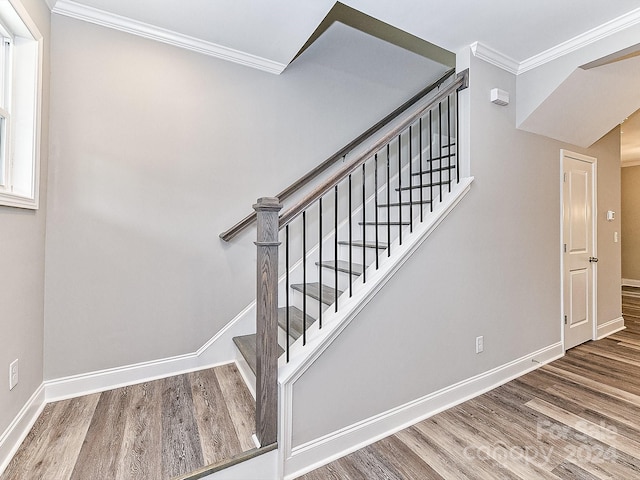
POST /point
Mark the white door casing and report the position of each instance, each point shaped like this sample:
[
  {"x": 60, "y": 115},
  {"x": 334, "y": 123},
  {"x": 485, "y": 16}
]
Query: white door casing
[{"x": 578, "y": 248}]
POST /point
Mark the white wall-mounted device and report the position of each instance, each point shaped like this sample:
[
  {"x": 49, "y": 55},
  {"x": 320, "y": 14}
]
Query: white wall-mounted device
[
  {"x": 499, "y": 97},
  {"x": 611, "y": 215}
]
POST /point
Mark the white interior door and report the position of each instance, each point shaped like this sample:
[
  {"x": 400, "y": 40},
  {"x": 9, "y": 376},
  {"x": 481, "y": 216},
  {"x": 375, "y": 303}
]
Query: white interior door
[{"x": 579, "y": 259}]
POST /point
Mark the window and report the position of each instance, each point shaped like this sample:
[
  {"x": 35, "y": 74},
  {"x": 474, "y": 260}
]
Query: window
[{"x": 20, "y": 92}]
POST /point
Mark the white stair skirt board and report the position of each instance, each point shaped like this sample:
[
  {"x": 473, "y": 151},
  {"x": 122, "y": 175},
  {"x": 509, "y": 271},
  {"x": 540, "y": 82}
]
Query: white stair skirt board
[
  {"x": 628, "y": 282},
  {"x": 301, "y": 358},
  {"x": 16, "y": 432},
  {"x": 610, "y": 328},
  {"x": 318, "y": 452},
  {"x": 262, "y": 467},
  {"x": 219, "y": 350}
]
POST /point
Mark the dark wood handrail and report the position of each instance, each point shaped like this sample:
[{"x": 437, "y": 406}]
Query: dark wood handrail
[
  {"x": 309, "y": 176},
  {"x": 461, "y": 82}
]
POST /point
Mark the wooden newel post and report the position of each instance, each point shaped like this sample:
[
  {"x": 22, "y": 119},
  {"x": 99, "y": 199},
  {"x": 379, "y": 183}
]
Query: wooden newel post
[{"x": 267, "y": 210}]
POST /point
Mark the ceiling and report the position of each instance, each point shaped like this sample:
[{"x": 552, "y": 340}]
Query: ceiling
[
  {"x": 276, "y": 29},
  {"x": 268, "y": 34}
]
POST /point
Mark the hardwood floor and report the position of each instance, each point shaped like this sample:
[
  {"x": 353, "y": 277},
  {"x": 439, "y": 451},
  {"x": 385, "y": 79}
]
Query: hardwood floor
[
  {"x": 576, "y": 418},
  {"x": 630, "y": 301},
  {"x": 155, "y": 430}
]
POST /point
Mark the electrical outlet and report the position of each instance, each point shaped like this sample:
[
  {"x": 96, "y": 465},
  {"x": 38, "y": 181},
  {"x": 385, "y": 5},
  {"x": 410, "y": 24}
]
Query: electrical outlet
[
  {"x": 13, "y": 374},
  {"x": 480, "y": 344}
]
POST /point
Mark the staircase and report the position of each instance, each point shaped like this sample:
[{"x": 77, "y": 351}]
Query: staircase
[
  {"x": 340, "y": 241},
  {"x": 333, "y": 239}
]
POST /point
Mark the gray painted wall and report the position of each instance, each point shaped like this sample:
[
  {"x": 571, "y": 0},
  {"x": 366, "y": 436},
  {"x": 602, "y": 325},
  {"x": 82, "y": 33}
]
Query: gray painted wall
[
  {"x": 492, "y": 268},
  {"x": 155, "y": 151},
  {"x": 630, "y": 218},
  {"x": 22, "y": 248},
  {"x": 607, "y": 150}
]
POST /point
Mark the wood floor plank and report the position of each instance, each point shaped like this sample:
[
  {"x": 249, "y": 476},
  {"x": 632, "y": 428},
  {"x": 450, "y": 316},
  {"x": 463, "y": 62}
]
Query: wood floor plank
[
  {"x": 140, "y": 455},
  {"x": 146, "y": 431},
  {"x": 434, "y": 454},
  {"x": 240, "y": 403},
  {"x": 332, "y": 471},
  {"x": 596, "y": 385},
  {"x": 523, "y": 459},
  {"x": 218, "y": 438},
  {"x": 622, "y": 415},
  {"x": 33, "y": 449},
  {"x": 463, "y": 447},
  {"x": 401, "y": 458},
  {"x": 599, "y": 432},
  {"x": 366, "y": 460},
  {"x": 105, "y": 434},
  {"x": 53, "y": 445},
  {"x": 181, "y": 450},
  {"x": 569, "y": 471}
]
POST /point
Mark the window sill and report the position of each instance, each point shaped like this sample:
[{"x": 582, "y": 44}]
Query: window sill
[{"x": 18, "y": 201}]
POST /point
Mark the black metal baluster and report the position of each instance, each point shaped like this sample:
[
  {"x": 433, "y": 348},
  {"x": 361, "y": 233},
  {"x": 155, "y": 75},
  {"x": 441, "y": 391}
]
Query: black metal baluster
[
  {"x": 410, "y": 179},
  {"x": 320, "y": 262},
  {"x": 440, "y": 147},
  {"x": 375, "y": 182},
  {"x": 457, "y": 137},
  {"x": 304, "y": 277},
  {"x": 335, "y": 251},
  {"x": 388, "y": 203},
  {"x": 421, "y": 170},
  {"x": 364, "y": 226},
  {"x": 286, "y": 255},
  {"x": 350, "y": 242},
  {"x": 430, "y": 161},
  {"x": 400, "y": 187},
  {"x": 449, "y": 141}
]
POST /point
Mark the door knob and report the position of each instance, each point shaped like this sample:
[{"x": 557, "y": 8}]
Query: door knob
[{"x": 593, "y": 259}]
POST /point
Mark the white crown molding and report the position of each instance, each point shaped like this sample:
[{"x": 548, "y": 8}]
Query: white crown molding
[
  {"x": 494, "y": 57},
  {"x": 507, "y": 63},
  {"x": 605, "y": 30},
  {"x": 50, "y": 3},
  {"x": 78, "y": 11}
]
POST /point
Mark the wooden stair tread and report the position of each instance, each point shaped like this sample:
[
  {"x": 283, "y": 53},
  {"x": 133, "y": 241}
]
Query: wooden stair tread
[
  {"x": 343, "y": 266},
  {"x": 358, "y": 243},
  {"x": 313, "y": 291},
  {"x": 247, "y": 346},
  {"x": 295, "y": 321}
]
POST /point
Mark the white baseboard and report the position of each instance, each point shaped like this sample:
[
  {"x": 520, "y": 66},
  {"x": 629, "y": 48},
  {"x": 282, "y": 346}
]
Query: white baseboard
[
  {"x": 610, "y": 328},
  {"x": 309, "y": 456},
  {"x": 17, "y": 431},
  {"x": 99, "y": 381},
  {"x": 219, "y": 350},
  {"x": 629, "y": 282}
]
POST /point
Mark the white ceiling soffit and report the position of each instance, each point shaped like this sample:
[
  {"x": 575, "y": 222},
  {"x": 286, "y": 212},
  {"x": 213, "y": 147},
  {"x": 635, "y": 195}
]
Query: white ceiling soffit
[
  {"x": 582, "y": 40},
  {"x": 526, "y": 34},
  {"x": 234, "y": 30},
  {"x": 588, "y": 103}
]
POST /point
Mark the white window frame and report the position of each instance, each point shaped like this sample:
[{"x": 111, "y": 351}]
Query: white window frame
[{"x": 20, "y": 106}]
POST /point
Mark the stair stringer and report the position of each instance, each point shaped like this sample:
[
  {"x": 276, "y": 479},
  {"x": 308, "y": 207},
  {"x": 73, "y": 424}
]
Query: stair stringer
[{"x": 318, "y": 340}]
